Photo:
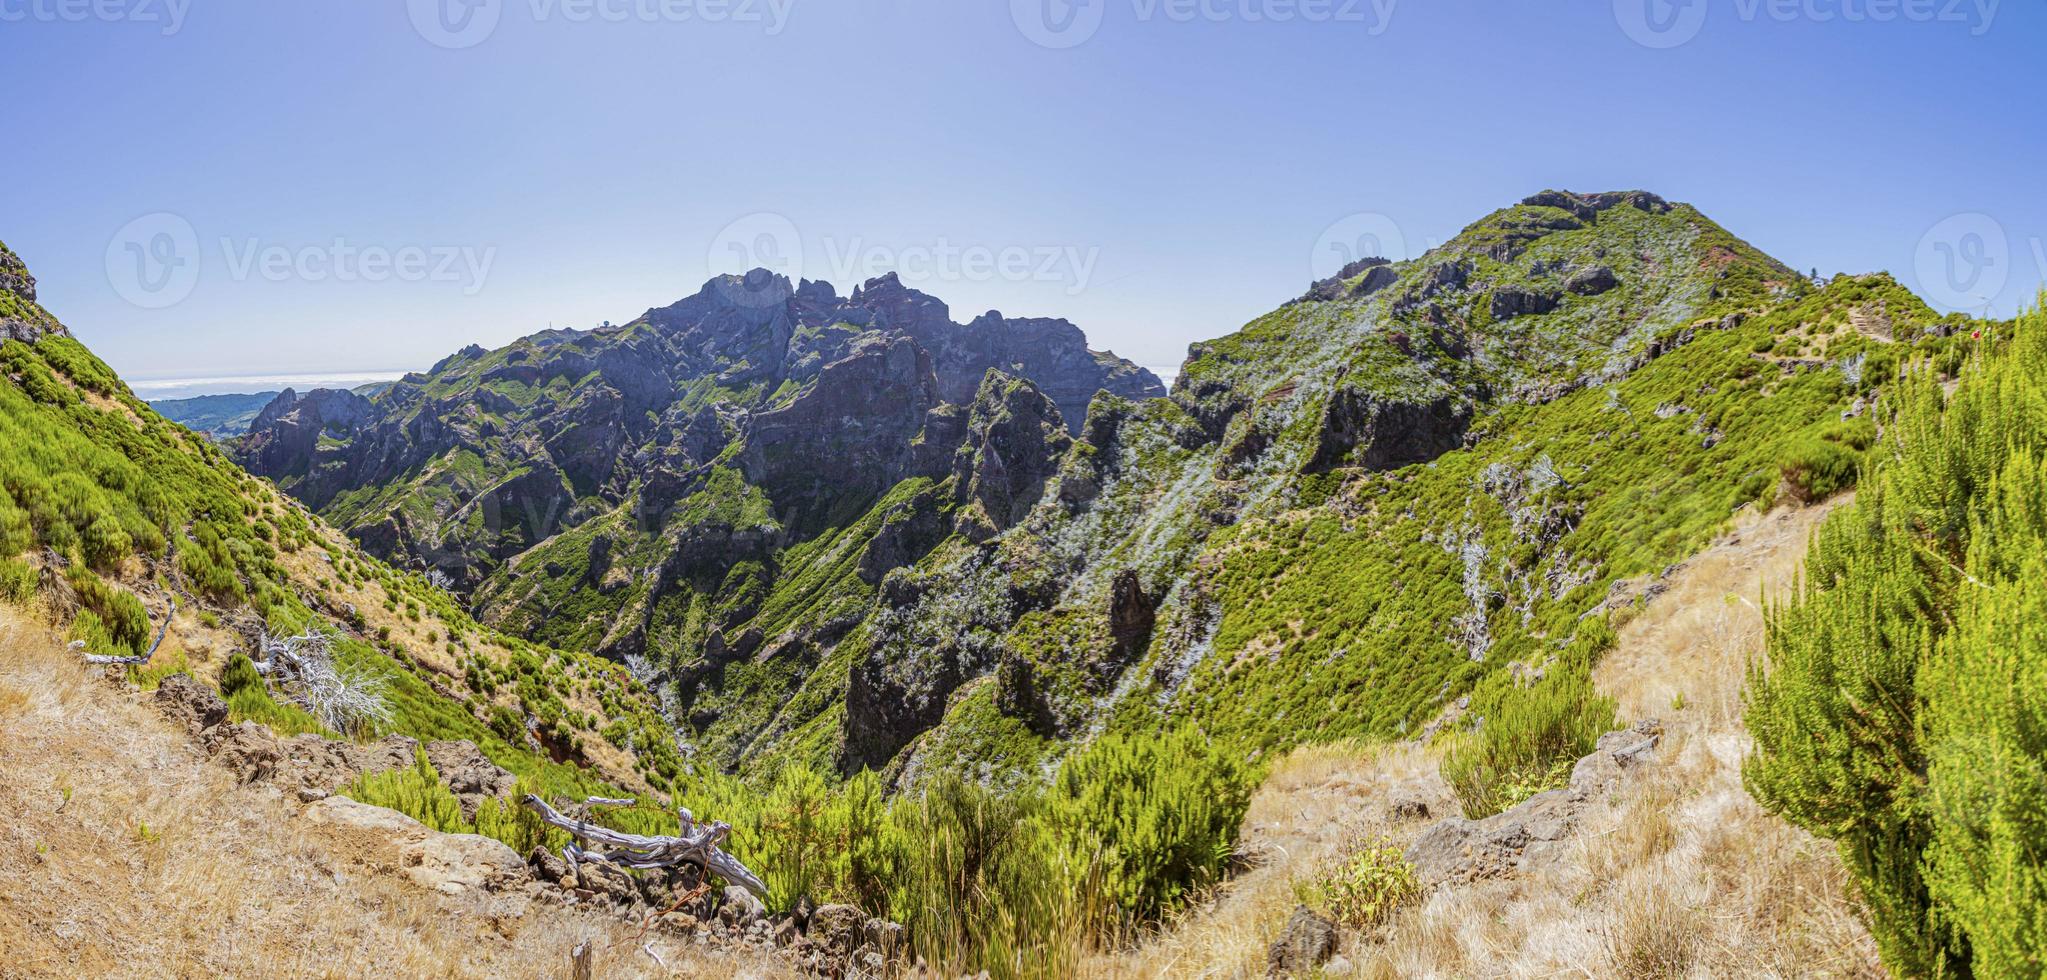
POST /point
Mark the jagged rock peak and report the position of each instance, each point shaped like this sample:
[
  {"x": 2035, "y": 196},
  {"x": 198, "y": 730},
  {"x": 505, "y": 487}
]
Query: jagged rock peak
[{"x": 21, "y": 317}]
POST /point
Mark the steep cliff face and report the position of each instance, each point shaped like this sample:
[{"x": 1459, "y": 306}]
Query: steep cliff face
[
  {"x": 817, "y": 399},
  {"x": 715, "y": 490},
  {"x": 21, "y": 317},
  {"x": 1355, "y": 508}
]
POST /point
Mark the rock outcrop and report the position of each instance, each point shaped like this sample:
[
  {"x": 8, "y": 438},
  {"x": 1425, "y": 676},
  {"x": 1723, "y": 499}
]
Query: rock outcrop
[
  {"x": 285, "y": 435},
  {"x": 21, "y": 317},
  {"x": 452, "y": 864},
  {"x": 1015, "y": 439},
  {"x": 1360, "y": 428},
  {"x": 1536, "y": 831}
]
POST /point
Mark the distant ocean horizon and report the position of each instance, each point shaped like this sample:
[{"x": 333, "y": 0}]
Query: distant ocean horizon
[{"x": 169, "y": 389}]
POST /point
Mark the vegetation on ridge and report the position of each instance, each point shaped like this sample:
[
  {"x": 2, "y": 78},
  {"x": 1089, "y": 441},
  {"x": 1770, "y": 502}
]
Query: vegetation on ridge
[{"x": 1898, "y": 711}]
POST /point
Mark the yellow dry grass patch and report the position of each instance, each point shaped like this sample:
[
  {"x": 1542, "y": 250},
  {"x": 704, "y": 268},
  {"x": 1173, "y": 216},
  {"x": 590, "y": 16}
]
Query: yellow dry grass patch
[
  {"x": 125, "y": 853},
  {"x": 1681, "y": 875}
]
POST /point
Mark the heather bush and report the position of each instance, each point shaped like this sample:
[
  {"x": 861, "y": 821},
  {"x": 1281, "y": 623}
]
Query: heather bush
[{"x": 1899, "y": 711}]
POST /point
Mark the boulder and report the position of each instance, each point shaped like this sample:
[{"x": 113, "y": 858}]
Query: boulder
[
  {"x": 310, "y": 762},
  {"x": 190, "y": 703},
  {"x": 740, "y": 907},
  {"x": 841, "y": 928},
  {"x": 1537, "y": 831},
  {"x": 448, "y": 863},
  {"x": 1308, "y": 941},
  {"x": 1591, "y": 282},
  {"x": 249, "y": 750},
  {"x": 469, "y": 775}
]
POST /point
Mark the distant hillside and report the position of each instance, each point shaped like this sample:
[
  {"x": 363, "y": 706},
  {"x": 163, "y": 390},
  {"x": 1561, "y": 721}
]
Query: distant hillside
[
  {"x": 220, "y": 417},
  {"x": 852, "y": 532}
]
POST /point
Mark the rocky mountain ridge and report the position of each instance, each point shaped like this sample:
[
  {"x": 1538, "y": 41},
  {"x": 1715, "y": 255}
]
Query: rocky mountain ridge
[{"x": 1415, "y": 470}]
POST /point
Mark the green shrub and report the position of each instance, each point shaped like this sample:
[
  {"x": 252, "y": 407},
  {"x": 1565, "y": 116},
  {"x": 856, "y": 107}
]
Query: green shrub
[
  {"x": 1367, "y": 888},
  {"x": 982, "y": 884},
  {"x": 1898, "y": 711},
  {"x": 1527, "y": 738},
  {"x": 415, "y": 791},
  {"x": 239, "y": 675},
  {"x": 17, "y": 581},
  {"x": 1815, "y": 469},
  {"x": 1159, "y": 814}
]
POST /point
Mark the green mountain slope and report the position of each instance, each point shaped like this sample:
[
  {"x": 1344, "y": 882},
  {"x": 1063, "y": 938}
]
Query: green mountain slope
[
  {"x": 1369, "y": 503},
  {"x": 109, "y": 513},
  {"x": 220, "y": 417}
]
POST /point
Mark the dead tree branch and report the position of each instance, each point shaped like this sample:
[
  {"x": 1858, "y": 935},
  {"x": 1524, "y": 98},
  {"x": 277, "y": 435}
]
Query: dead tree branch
[
  {"x": 697, "y": 844},
  {"x": 101, "y": 658},
  {"x": 304, "y": 669}
]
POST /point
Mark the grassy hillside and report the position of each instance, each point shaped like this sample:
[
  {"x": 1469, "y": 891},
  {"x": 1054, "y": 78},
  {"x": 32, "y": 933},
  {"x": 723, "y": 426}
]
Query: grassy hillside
[
  {"x": 1304, "y": 581},
  {"x": 108, "y": 512}
]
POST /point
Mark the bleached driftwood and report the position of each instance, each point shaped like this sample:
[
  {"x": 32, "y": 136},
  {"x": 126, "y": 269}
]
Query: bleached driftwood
[
  {"x": 304, "y": 669},
  {"x": 102, "y": 658},
  {"x": 696, "y": 844}
]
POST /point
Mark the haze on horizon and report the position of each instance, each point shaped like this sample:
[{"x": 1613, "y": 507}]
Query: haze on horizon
[{"x": 245, "y": 189}]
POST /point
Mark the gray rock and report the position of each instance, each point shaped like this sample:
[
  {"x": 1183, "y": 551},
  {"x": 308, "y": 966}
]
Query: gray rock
[
  {"x": 189, "y": 703},
  {"x": 1309, "y": 941},
  {"x": 1591, "y": 282},
  {"x": 468, "y": 774},
  {"x": 1535, "y": 832},
  {"x": 740, "y": 907},
  {"x": 1512, "y": 301},
  {"x": 1363, "y": 428}
]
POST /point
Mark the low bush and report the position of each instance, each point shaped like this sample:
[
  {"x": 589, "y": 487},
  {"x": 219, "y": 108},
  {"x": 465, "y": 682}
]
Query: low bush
[
  {"x": 1366, "y": 889},
  {"x": 1816, "y": 468},
  {"x": 1159, "y": 814},
  {"x": 1526, "y": 738}
]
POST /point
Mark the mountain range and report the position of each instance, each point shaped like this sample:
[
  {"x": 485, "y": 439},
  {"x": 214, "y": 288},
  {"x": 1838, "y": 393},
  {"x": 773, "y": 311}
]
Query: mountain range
[{"x": 852, "y": 531}]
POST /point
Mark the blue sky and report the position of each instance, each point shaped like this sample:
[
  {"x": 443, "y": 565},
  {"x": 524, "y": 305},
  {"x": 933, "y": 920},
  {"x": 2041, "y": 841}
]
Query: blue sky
[{"x": 197, "y": 182}]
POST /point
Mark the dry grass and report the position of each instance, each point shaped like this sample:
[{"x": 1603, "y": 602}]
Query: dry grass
[
  {"x": 125, "y": 853},
  {"x": 1314, "y": 809},
  {"x": 1680, "y": 875}
]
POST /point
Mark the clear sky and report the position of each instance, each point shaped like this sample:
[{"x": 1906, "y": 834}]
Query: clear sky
[{"x": 231, "y": 187}]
